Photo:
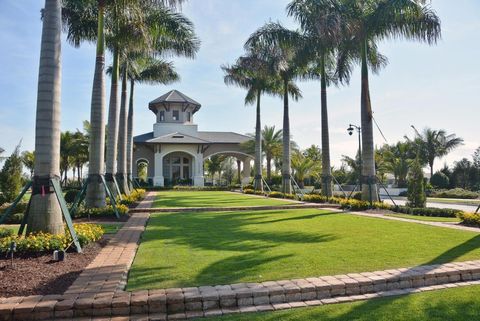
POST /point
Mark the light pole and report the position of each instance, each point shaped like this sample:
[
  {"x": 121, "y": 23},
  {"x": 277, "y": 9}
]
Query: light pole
[{"x": 350, "y": 130}]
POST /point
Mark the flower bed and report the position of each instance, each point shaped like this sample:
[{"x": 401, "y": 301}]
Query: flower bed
[
  {"x": 470, "y": 219},
  {"x": 107, "y": 211},
  {"x": 44, "y": 242},
  {"x": 134, "y": 197}
]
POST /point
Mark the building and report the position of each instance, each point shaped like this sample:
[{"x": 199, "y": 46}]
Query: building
[{"x": 175, "y": 151}]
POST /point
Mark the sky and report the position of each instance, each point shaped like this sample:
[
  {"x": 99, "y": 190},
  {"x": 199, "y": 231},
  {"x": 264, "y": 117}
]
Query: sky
[{"x": 425, "y": 86}]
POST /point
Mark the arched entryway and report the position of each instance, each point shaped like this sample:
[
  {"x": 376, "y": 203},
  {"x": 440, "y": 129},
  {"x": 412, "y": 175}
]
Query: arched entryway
[{"x": 178, "y": 168}]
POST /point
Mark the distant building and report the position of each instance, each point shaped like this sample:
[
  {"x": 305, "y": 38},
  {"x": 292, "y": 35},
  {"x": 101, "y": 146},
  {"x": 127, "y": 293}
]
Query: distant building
[{"x": 175, "y": 151}]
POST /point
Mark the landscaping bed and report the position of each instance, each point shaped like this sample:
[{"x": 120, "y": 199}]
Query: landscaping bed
[{"x": 40, "y": 275}]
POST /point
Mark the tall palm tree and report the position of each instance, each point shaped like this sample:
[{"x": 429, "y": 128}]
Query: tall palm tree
[
  {"x": 397, "y": 160},
  {"x": 282, "y": 48},
  {"x": 251, "y": 73},
  {"x": 365, "y": 24},
  {"x": 145, "y": 70},
  {"x": 434, "y": 144},
  {"x": 321, "y": 23},
  {"x": 85, "y": 20},
  {"x": 45, "y": 213}
]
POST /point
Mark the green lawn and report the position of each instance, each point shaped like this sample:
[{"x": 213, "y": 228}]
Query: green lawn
[
  {"x": 427, "y": 218},
  {"x": 458, "y": 304},
  {"x": 211, "y": 199},
  {"x": 191, "y": 249}
]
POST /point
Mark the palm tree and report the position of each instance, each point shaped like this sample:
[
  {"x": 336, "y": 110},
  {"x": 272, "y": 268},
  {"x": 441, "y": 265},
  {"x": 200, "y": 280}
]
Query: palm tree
[
  {"x": 434, "y": 144},
  {"x": 67, "y": 143},
  {"x": 366, "y": 24},
  {"x": 79, "y": 153},
  {"x": 251, "y": 73},
  {"x": 321, "y": 23},
  {"x": 45, "y": 213},
  {"x": 397, "y": 160},
  {"x": 272, "y": 146},
  {"x": 85, "y": 20},
  {"x": 146, "y": 70},
  {"x": 28, "y": 160},
  {"x": 303, "y": 167},
  {"x": 282, "y": 48},
  {"x": 214, "y": 165}
]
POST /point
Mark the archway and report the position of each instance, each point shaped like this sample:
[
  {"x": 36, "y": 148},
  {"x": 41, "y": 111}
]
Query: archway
[
  {"x": 178, "y": 168},
  {"x": 142, "y": 170}
]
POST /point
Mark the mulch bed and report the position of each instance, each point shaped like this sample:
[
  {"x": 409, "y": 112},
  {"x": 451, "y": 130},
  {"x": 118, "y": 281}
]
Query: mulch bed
[{"x": 40, "y": 275}]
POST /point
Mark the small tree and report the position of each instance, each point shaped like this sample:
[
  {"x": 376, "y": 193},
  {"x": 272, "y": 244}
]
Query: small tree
[
  {"x": 416, "y": 186},
  {"x": 11, "y": 176},
  {"x": 440, "y": 180}
]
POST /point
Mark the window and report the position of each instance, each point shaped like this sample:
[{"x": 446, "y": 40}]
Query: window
[
  {"x": 176, "y": 115},
  {"x": 189, "y": 116},
  {"x": 162, "y": 115}
]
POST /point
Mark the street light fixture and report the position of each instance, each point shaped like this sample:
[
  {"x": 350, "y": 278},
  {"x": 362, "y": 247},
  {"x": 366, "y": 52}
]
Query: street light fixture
[{"x": 351, "y": 128}]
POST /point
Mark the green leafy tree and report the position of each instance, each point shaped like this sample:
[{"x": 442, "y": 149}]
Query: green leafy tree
[
  {"x": 28, "y": 160},
  {"x": 366, "y": 24},
  {"x": 440, "y": 180},
  {"x": 303, "y": 167},
  {"x": 213, "y": 165},
  {"x": 416, "y": 186},
  {"x": 11, "y": 176}
]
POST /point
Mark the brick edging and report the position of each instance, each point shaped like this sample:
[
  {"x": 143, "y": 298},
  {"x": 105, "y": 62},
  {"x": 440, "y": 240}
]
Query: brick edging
[{"x": 244, "y": 297}]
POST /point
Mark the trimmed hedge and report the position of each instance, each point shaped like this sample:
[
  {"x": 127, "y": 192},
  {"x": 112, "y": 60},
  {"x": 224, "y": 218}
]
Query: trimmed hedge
[
  {"x": 356, "y": 205},
  {"x": 5, "y": 232},
  {"x": 252, "y": 192},
  {"x": 282, "y": 195},
  {"x": 107, "y": 211},
  {"x": 45, "y": 242},
  {"x": 455, "y": 193}
]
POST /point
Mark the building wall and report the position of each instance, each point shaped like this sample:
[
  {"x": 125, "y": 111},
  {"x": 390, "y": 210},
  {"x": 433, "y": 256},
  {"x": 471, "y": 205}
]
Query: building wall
[{"x": 144, "y": 152}]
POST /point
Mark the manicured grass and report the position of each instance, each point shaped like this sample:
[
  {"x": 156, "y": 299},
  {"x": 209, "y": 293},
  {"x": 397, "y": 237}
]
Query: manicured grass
[
  {"x": 427, "y": 218},
  {"x": 457, "y": 304},
  {"x": 191, "y": 249},
  {"x": 211, "y": 199}
]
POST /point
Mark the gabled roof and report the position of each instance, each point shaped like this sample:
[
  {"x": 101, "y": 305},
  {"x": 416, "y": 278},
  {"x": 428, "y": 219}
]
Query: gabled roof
[{"x": 174, "y": 96}]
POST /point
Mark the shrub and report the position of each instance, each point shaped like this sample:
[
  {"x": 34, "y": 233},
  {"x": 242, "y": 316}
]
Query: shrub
[
  {"x": 428, "y": 211},
  {"x": 70, "y": 195},
  {"x": 440, "y": 180},
  {"x": 456, "y": 193},
  {"x": 315, "y": 198},
  {"x": 107, "y": 211},
  {"x": 134, "y": 197},
  {"x": 5, "y": 232},
  {"x": 282, "y": 195},
  {"x": 43, "y": 242},
  {"x": 248, "y": 186},
  {"x": 11, "y": 176},
  {"x": 252, "y": 192},
  {"x": 470, "y": 219},
  {"x": 416, "y": 186}
]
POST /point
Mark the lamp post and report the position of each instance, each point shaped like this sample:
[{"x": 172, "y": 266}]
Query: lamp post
[{"x": 350, "y": 130}]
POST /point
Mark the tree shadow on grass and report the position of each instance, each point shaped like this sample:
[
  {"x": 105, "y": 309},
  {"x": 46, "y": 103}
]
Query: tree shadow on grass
[{"x": 228, "y": 231}]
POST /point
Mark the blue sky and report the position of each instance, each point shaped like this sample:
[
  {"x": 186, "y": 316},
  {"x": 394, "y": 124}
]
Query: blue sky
[{"x": 435, "y": 86}]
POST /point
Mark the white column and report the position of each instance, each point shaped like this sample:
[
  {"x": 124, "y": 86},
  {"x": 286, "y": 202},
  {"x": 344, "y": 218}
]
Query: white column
[
  {"x": 246, "y": 179},
  {"x": 158, "y": 180},
  {"x": 198, "y": 179}
]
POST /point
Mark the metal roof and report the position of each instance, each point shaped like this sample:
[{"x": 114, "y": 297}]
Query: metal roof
[{"x": 174, "y": 96}]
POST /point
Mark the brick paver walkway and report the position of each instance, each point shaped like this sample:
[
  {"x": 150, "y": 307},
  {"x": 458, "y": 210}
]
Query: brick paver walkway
[{"x": 108, "y": 271}]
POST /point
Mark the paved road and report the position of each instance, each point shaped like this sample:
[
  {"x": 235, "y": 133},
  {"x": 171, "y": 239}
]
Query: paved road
[{"x": 461, "y": 207}]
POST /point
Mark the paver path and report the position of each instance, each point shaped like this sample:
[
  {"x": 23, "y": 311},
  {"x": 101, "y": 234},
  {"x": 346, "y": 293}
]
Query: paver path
[{"x": 108, "y": 271}]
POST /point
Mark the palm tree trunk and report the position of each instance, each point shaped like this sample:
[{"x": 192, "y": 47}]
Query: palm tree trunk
[
  {"x": 269, "y": 168},
  {"x": 112, "y": 138},
  {"x": 326, "y": 168},
  {"x": 45, "y": 213},
  {"x": 286, "y": 177},
  {"x": 130, "y": 136},
  {"x": 122, "y": 138},
  {"x": 95, "y": 191},
  {"x": 369, "y": 189},
  {"x": 258, "y": 147}
]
